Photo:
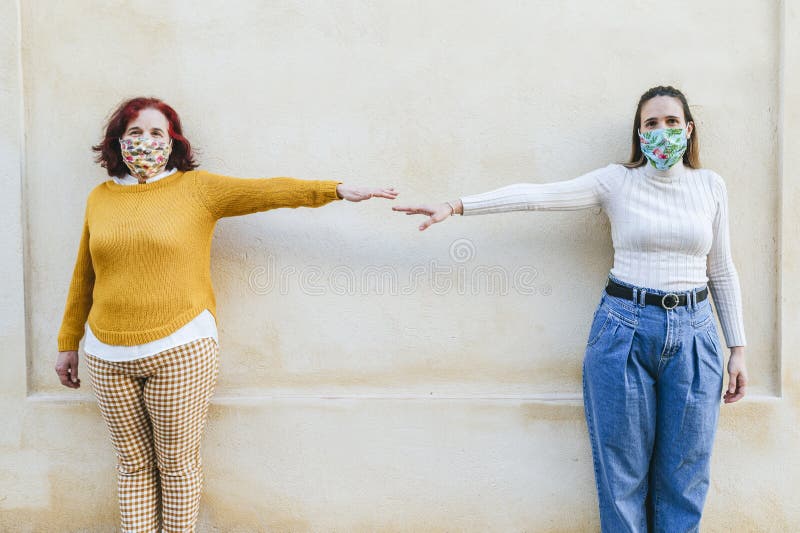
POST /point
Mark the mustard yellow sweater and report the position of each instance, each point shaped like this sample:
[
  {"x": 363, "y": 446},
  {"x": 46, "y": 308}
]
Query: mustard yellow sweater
[{"x": 143, "y": 266}]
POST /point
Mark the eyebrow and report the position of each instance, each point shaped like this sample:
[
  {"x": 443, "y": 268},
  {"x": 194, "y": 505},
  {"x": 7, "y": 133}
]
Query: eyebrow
[
  {"x": 668, "y": 116},
  {"x": 138, "y": 128}
]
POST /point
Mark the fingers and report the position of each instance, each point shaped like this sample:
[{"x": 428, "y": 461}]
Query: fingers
[
  {"x": 73, "y": 381},
  {"x": 435, "y": 213},
  {"x": 413, "y": 210},
  {"x": 735, "y": 397},
  {"x": 63, "y": 376},
  {"x": 732, "y": 382},
  {"x": 381, "y": 194},
  {"x": 390, "y": 193},
  {"x": 739, "y": 389},
  {"x": 73, "y": 371},
  {"x": 367, "y": 193},
  {"x": 66, "y": 380},
  {"x": 738, "y": 396},
  {"x": 425, "y": 225},
  {"x": 67, "y": 369},
  {"x": 432, "y": 220}
]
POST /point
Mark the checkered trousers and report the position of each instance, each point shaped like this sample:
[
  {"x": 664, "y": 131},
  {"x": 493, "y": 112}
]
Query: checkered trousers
[{"x": 155, "y": 408}]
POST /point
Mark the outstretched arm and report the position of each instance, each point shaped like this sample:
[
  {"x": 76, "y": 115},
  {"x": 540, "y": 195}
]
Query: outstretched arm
[
  {"x": 226, "y": 196},
  {"x": 582, "y": 192}
]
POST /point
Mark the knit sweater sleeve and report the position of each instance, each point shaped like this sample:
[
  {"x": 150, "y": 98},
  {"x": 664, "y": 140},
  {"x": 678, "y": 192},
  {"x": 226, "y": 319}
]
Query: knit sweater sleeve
[
  {"x": 79, "y": 297},
  {"x": 226, "y": 196},
  {"x": 582, "y": 192},
  {"x": 723, "y": 279}
]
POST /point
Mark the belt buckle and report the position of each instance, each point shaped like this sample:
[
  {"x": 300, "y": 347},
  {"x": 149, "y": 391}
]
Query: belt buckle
[{"x": 672, "y": 297}]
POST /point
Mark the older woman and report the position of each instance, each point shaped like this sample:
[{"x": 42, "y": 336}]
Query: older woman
[
  {"x": 141, "y": 291},
  {"x": 653, "y": 365}
]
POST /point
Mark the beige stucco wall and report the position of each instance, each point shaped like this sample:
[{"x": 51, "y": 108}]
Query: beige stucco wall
[{"x": 395, "y": 406}]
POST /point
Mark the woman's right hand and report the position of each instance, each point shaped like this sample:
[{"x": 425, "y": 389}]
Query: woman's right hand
[
  {"x": 67, "y": 369},
  {"x": 436, "y": 212}
]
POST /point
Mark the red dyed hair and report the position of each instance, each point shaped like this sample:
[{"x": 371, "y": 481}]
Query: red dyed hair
[{"x": 108, "y": 151}]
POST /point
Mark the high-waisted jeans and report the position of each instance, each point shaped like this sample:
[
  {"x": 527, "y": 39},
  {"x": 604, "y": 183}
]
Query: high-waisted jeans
[{"x": 652, "y": 384}]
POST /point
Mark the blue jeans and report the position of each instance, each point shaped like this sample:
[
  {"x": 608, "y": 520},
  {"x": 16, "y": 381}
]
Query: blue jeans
[{"x": 652, "y": 384}]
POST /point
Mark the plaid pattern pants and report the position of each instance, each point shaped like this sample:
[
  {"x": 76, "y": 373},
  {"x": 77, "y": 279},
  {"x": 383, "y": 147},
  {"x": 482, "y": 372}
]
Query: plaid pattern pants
[{"x": 155, "y": 409}]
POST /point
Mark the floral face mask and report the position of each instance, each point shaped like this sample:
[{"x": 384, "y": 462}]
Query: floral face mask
[
  {"x": 145, "y": 157},
  {"x": 663, "y": 147}
]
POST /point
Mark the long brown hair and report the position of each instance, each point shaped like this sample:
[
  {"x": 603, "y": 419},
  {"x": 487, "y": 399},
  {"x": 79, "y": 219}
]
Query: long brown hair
[{"x": 691, "y": 157}]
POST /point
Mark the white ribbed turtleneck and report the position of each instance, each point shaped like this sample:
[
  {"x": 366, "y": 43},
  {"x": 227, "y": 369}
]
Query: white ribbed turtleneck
[{"x": 669, "y": 228}]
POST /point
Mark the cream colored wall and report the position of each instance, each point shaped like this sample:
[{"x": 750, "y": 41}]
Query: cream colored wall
[{"x": 414, "y": 409}]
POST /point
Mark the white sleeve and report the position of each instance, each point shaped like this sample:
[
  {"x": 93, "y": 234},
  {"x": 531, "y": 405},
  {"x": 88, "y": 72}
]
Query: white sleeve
[
  {"x": 723, "y": 280},
  {"x": 582, "y": 192}
]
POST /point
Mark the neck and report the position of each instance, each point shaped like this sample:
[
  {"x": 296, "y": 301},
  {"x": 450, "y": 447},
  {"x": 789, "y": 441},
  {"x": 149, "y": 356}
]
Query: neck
[
  {"x": 673, "y": 173},
  {"x": 130, "y": 179},
  {"x": 132, "y": 184}
]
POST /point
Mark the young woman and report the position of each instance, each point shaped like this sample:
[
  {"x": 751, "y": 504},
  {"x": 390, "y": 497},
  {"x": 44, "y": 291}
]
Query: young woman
[
  {"x": 142, "y": 288},
  {"x": 653, "y": 365}
]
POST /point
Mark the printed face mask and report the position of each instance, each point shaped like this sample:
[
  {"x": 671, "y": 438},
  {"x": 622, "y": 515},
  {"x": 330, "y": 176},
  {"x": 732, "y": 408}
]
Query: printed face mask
[
  {"x": 663, "y": 147},
  {"x": 145, "y": 157}
]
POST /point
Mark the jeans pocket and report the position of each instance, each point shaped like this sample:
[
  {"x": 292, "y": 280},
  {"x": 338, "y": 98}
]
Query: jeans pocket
[
  {"x": 622, "y": 310},
  {"x": 624, "y": 316},
  {"x": 602, "y": 318},
  {"x": 623, "y": 306},
  {"x": 711, "y": 331},
  {"x": 702, "y": 320},
  {"x": 710, "y": 365}
]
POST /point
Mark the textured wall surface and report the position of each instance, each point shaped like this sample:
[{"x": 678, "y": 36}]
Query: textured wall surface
[{"x": 372, "y": 377}]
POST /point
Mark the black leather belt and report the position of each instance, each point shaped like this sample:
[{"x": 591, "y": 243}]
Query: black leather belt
[{"x": 667, "y": 301}]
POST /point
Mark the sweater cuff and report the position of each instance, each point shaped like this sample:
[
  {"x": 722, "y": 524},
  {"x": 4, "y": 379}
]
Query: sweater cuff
[
  {"x": 329, "y": 193},
  {"x": 467, "y": 206},
  {"x": 68, "y": 343}
]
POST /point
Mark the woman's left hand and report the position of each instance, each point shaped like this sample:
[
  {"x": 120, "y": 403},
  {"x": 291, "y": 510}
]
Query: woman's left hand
[
  {"x": 737, "y": 372},
  {"x": 356, "y": 194}
]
